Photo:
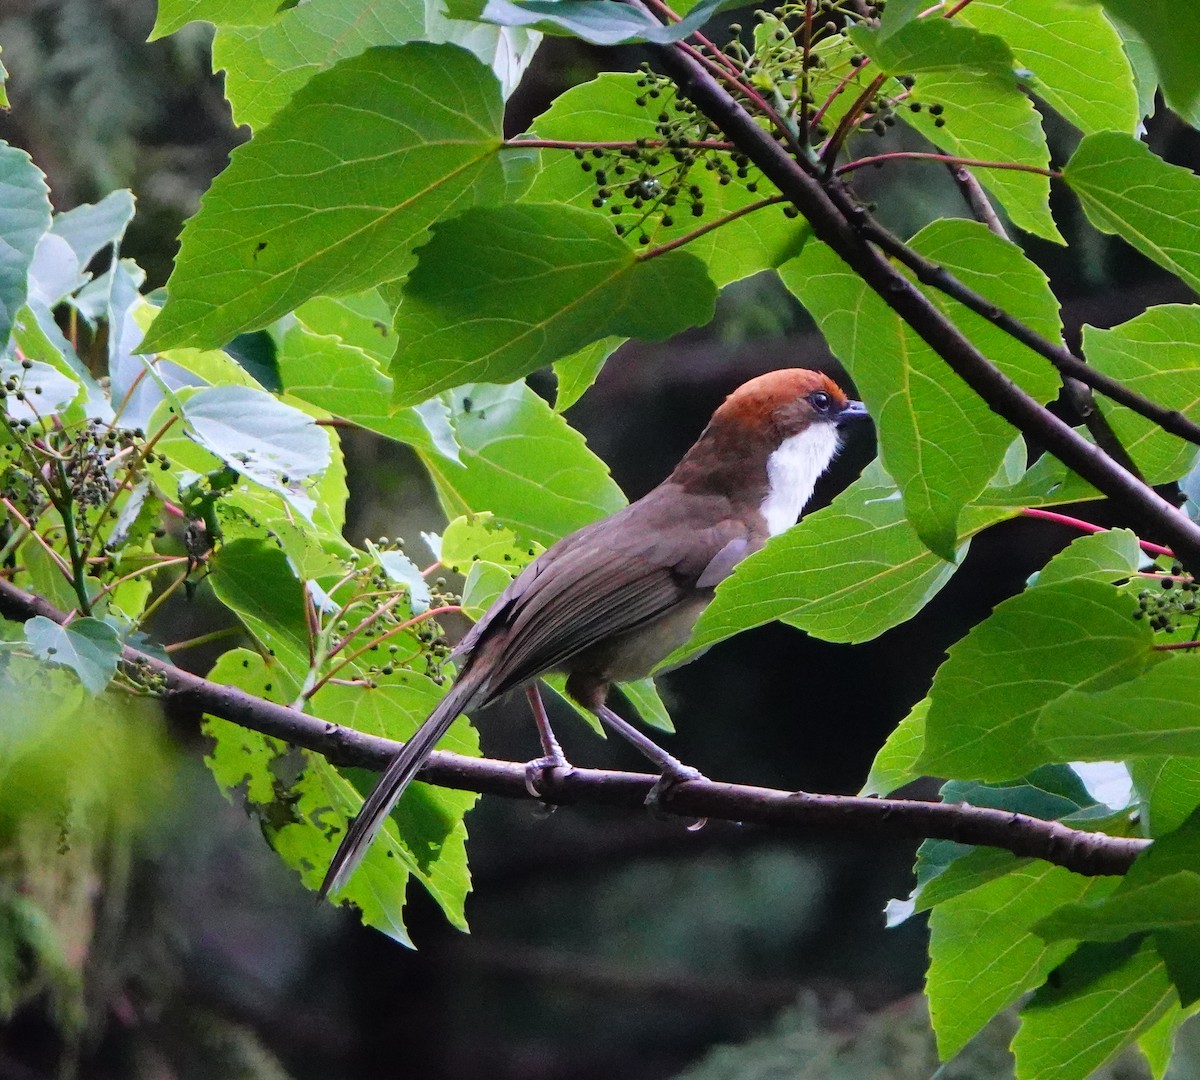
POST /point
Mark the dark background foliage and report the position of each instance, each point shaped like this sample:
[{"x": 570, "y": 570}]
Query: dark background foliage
[{"x": 602, "y": 944}]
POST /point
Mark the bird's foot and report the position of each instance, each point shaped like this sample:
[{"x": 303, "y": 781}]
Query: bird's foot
[
  {"x": 536, "y": 771},
  {"x": 674, "y": 773}
]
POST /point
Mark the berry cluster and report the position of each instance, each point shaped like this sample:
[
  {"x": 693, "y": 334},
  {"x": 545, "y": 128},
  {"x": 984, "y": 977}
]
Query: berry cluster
[
  {"x": 1171, "y": 605},
  {"x": 368, "y": 621},
  {"x": 652, "y": 178}
]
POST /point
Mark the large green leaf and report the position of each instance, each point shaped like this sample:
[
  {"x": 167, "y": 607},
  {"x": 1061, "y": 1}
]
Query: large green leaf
[
  {"x": 412, "y": 131},
  {"x": 541, "y": 282},
  {"x": 982, "y": 953},
  {"x": 521, "y": 461},
  {"x": 1034, "y": 648},
  {"x": 429, "y": 834},
  {"x": 1074, "y": 54},
  {"x": 265, "y": 65},
  {"x": 845, "y": 573},
  {"x": 606, "y": 110},
  {"x": 985, "y": 115},
  {"x": 1100, "y": 1000},
  {"x": 1157, "y": 355},
  {"x": 342, "y": 378},
  {"x": 601, "y": 22},
  {"x": 937, "y": 439},
  {"x": 1154, "y": 714},
  {"x": 1155, "y": 207},
  {"x": 24, "y": 218}
]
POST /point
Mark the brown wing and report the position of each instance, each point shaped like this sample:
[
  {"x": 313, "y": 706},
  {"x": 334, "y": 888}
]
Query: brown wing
[{"x": 604, "y": 580}]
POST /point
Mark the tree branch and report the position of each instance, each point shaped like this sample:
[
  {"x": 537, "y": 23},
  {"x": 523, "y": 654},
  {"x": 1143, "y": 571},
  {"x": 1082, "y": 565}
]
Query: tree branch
[
  {"x": 929, "y": 273},
  {"x": 847, "y": 228},
  {"x": 1085, "y": 853}
]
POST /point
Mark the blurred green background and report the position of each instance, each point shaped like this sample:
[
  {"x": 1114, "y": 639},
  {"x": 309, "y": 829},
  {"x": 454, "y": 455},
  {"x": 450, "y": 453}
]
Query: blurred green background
[{"x": 603, "y": 944}]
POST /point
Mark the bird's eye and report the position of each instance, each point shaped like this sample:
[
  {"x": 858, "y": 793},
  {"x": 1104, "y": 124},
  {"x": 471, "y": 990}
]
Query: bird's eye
[{"x": 820, "y": 401}]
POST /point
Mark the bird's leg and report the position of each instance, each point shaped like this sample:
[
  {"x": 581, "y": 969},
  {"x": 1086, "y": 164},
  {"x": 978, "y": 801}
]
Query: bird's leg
[
  {"x": 672, "y": 770},
  {"x": 552, "y": 753}
]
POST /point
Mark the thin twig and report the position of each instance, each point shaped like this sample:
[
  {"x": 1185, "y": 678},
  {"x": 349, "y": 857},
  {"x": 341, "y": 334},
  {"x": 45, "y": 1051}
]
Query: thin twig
[{"x": 708, "y": 226}]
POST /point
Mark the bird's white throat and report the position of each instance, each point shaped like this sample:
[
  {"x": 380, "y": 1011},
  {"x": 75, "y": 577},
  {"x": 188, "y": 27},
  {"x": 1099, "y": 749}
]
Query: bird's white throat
[{"x": 792, "y": 473}]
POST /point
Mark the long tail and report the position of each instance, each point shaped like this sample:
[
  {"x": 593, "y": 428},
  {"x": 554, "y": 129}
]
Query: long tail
[{"x": 392, "y": 784}]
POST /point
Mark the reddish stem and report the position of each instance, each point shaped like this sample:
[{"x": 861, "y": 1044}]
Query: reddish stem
[
  {"x": 1089, "y": 527},
  {"x": 949, "y": 159}
]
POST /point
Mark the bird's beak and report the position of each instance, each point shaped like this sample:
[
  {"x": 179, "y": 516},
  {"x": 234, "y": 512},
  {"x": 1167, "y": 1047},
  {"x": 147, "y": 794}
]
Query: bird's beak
[{"x": 852, "y": 410}]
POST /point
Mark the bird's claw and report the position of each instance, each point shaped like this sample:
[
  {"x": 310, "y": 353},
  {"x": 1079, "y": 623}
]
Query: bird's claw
[
  {"x": 674, "y": 773},
  {"x": 538, "y": 768}
]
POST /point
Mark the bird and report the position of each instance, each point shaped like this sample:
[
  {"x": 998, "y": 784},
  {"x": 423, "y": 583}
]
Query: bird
[{"x": 607, "y": 603}]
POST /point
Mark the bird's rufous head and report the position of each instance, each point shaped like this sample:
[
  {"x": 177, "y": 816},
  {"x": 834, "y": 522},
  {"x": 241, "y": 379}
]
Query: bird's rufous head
[{"x": 782, "y": 403}]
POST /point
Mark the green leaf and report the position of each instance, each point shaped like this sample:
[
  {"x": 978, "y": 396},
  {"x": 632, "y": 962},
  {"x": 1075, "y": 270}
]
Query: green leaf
[
  {"x": 1035, "y": 648},
  {"x": 946, "y": 870},
  {"x": 1169, "y": 788},
  {"x": 1169, "y": 32},
  {"x": 523, "y": 462},
  {"x": 1156, "y": 713},
  {"x": 1155, "y": 207},
  {"x": 936, "y": 437},
  {"x": 1171, "y": 902},
  {"x": 24, "y": 218},
  {"x": 253, "y": 579},
  {"x": 983, "y": 955},
  {"x": 1105, "y": 556},
  {"x": 541, "y": 282},
  {"x": 1168, "y": 906},
  {"x": 643, "y": 695},
  {"x": 846, "y": 573},
  {"x": 606, "y": 110},
  {"x": 1079, "y": 66},
  {"x": 413, "y": 131},
  {"x": 985, "y": 115},
  {"x": 259, "y": 436},
  {"x": 173, "y": 14},
  {"x": 1155, "y": 355},
  {"x": 363, "y": 320},
  {"x": 577, "y": 372},
  {"x": 342, "y": 378},
  {"x": 89, "y": 647},
  {"x": 896, "y": 763},
  {"x": 426, "y": 833},
  {"x": 90, "y": 227},
  {"x": 600, "y": 22},
  {"x": 265, "y": 65},
  {"x": 1103, "y": 998},
  {"x": 1158, "y": 1043}
]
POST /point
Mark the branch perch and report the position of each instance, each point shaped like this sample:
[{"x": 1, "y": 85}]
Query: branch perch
[{"x": 1083, "y": 852}]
